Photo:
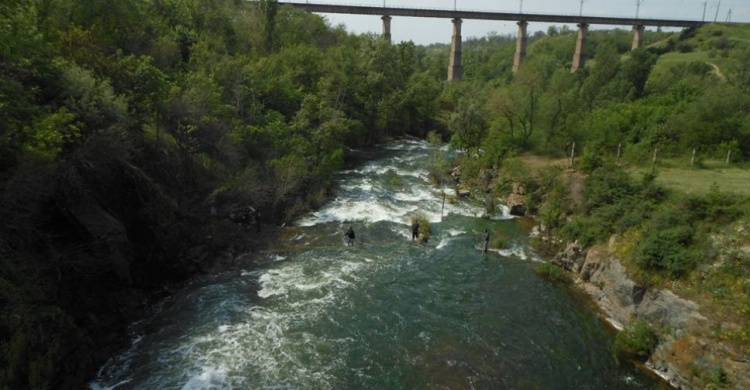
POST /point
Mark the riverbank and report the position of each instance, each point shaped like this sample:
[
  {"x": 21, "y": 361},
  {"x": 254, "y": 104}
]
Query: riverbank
[
  {"x": 696, "y": 345},
  {"x": 86, "y": 246},
  {"x": 687, "y": 355},
  {"x": 385, "y": 313}
]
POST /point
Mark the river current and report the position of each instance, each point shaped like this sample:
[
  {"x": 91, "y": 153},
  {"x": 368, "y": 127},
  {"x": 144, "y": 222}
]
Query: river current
[{"x": 386, "y": 313}]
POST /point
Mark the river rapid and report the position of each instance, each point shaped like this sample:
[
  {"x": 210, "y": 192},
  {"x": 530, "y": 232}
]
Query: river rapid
[{"x": 386, "y": 313}]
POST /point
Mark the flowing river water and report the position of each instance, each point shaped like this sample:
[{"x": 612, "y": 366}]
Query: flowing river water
[{"x": 386, "y": 313}]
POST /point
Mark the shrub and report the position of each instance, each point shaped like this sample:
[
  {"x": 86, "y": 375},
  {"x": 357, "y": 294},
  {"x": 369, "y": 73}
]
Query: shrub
[
  {"x": 502, "y": 243},
  {"x": 590, "y": 160},
  {"x": 424, "y": 226},
  {"x": 607, "y": 185},
  {"x": 588, "y": 231},
  {"x": 667, "y": 249},
  {"x": 636, "y": 341},
  {"x": 684, "y": 47},
  {"x": 552, "y": 272}
]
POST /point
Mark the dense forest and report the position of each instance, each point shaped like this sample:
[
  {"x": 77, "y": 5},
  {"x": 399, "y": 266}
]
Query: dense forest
[{"x": 125, "y": 125}]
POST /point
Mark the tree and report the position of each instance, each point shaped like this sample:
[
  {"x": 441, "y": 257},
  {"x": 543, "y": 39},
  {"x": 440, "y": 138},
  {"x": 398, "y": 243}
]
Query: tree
[
  {"x": 468, "y": 124},
  {"x": 638, "y": 68},
  {"x": 269, "y": 8}
]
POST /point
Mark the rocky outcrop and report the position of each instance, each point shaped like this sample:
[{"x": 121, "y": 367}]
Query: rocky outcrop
[
  {"x": 515, "y": 200},
  {"x": 572, "y": 258},
  {"x": 683, "y": 358},
  {"x": 605, "y": 278}
]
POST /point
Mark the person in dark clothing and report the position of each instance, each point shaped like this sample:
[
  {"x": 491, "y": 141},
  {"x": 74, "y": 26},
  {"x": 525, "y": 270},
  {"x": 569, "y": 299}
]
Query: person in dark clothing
[
  {"x": 415, "y": 230},
  {"x": 349, "y": 236},
  {"x": 486, "y": 240}
]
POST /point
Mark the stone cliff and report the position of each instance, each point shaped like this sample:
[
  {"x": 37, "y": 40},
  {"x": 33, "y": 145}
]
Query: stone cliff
[{"x": 687, "y": 356}]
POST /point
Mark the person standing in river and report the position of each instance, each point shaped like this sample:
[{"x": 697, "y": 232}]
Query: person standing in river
[
  {"x": 486, "y": 240},
  {"x": 350, "y": 237},
  {"x": 415, "y": 230}
]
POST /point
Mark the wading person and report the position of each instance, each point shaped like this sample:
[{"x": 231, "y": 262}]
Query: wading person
[
  {"x": 415, "y": 230},
  {"x": 349, "y": 236},
  {"x": 486, "y": 240}
]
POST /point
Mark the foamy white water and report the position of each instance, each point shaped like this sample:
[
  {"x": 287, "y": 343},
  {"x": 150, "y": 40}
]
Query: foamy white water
[{"x": 386, "y": 313}]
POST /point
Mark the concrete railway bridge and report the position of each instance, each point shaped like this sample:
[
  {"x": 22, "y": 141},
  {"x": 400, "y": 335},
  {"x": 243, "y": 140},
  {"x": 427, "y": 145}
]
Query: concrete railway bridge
[{"x": 455, "y": 68}]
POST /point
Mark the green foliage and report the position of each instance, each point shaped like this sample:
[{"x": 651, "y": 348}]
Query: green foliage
[
  {"x": 468, "y": 124},
  {"x": 637, "y": 341},
  {"x": 614, "y": 203},
  {"x": 667, "y": 248},
  {"x": 591, "y": 159},
  {"x": 556, "y": 204},
  {"x": 261, "y": 102},
  {"x": 552, "y": 272},
  {"x": 425, "y": 230},
  {"x": 254, "y": 104},
  {"x": 439, "y": 165}
]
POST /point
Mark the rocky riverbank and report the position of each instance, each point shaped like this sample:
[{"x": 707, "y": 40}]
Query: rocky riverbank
[
  {"x": 688, "y": 357},
  {"x": 690, "y": 354}
]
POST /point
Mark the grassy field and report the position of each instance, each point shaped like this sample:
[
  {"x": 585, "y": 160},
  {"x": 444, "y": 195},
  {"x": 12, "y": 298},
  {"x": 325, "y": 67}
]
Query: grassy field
[
  {"x": 673, "y": 176},
  {"x": 699, "y": 181},
  {"x": 711, "y": 45}
]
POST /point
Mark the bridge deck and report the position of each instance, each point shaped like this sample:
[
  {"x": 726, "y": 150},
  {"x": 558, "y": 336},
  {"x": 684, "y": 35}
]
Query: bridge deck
[{"x": 487, "y": 15}]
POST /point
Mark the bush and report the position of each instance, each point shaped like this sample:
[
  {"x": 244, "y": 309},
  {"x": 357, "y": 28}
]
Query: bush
[
  {"x": 424, "y": 227},
  {"x": 588, "y": 231},
  {"x": 684, "y": 47},
  {"x": 502, "y": 243},
  {"x": 590, "y": 160},
  {"x": 552, "y": 272},
  {"x": 666, "y": 243},
  {"x": 667, "y": 250},
  {"x": 636, "y": 341},
  {"x": 607, "y": 185}
]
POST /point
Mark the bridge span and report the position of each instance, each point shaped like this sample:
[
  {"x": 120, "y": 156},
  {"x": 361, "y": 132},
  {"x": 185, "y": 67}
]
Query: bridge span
[{"x": 455, "y": 68}]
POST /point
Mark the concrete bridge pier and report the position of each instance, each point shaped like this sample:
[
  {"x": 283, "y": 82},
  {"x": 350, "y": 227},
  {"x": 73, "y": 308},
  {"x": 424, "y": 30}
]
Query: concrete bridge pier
[
  {"x": 579, "y": 58},
  {"x": 455, "y": 70},
  {"x": 386, "y": 28},
  {"x": 638, "y": 36},
  {"x": 520, "y": 46}
]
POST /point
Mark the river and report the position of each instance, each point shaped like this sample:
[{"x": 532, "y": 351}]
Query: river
[{"x": 386, "y": 313}]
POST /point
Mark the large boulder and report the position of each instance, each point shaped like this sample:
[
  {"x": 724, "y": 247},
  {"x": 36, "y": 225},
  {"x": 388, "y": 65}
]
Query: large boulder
[
  {"x": 515, "y": 200},
  {"x": 572, "y": 258},
  {"x": 516, "y": 204}
]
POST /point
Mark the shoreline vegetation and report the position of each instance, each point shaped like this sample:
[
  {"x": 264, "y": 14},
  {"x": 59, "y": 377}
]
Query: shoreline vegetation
[
  {"x": 140, "y": 139},
  {"x": 628, "y": 275}
]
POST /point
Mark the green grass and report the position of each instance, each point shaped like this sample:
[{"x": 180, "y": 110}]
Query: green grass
[
  {"x": 674, "y": 57},
  {"x": 705, "y": 46},
  {"x": 699, "y": 181},
  {"x": 552, "y": 272}
]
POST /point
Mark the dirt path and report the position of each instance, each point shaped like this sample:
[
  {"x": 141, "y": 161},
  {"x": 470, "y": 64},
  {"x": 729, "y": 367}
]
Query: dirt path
[{"x": 717, "y": 70}]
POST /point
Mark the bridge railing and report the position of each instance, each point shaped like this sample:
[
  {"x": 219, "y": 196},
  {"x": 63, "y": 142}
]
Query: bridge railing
[{"x": 492, "y": 10}]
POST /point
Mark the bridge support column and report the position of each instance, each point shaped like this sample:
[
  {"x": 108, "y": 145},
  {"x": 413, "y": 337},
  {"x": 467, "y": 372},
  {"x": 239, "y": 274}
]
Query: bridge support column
[
  {"x": 386, "y": 28},
  {"x": 579, "y": 58},
  {"x": 637, "y": 36},
  {"x": 455, "y": 70},
  {"x": 520, "y": 46}
]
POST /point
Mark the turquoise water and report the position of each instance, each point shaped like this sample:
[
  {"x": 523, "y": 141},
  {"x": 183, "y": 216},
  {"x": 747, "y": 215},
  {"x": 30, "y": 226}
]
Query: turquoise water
[{"x": 386, "y": 313}]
